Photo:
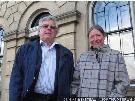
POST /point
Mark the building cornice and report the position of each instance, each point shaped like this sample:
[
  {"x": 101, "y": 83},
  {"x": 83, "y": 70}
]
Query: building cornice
[
  {"x": 65, "y": 18},
  {"x": 68, "y": 17}
]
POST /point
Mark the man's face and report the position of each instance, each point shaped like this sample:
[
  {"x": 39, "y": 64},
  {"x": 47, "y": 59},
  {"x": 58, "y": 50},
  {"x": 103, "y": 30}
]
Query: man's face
[
  {"x": 96, "y": 38},
  {"x": 48, "y": 31}
]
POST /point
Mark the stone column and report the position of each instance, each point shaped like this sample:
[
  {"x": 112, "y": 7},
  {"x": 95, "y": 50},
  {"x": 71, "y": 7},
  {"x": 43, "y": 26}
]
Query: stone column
[
  {"x": 67, "y": 29},
  {"x": 12, "y": 42}
]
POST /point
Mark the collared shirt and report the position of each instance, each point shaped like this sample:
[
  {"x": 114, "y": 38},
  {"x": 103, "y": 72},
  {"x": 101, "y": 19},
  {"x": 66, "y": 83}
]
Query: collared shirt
[{"x": 46, "y": 78}]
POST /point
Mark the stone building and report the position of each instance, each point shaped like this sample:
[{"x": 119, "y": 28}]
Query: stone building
[{"x": 19, "y": 21}]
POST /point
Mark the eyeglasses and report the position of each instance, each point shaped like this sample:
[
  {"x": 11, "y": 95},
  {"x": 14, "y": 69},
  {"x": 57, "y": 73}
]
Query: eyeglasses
[{"x": 47, "y": 26}]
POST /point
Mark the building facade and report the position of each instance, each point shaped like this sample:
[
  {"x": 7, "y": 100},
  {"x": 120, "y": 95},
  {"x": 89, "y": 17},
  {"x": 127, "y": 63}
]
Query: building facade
[{"x": 19, "y": 21}]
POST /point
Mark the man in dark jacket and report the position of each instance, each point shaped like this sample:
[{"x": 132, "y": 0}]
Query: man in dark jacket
[{"x": 42, "y": 69}]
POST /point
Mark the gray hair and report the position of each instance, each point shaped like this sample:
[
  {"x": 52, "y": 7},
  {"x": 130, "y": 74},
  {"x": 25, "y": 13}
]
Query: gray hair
[
  {"x": 97, "y": 27},
  {"x": 50, "y": 17}
]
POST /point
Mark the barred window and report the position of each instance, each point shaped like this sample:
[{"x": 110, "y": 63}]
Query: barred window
[
  {"x": 1, "y": 34},
  {"x": 1, "y": 45},
  {"x": 115, "y": 18}
]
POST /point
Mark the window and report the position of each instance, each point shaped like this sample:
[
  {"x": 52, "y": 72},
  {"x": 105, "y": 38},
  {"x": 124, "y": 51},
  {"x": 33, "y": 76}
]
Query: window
[
  {"x": 36, "y": 20},
  {"x": 115, "y": 18},
  {"x": 1, "y": 45},
  {"x": 1, "y": 41}
]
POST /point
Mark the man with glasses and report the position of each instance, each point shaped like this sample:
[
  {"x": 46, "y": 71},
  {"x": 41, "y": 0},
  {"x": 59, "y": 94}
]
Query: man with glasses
[{"x": 43, "y": 69}]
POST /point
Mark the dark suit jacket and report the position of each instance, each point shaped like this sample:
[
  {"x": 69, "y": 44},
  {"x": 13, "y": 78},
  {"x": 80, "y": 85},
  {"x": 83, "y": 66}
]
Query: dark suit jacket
[{"x": 26, "y": 68}]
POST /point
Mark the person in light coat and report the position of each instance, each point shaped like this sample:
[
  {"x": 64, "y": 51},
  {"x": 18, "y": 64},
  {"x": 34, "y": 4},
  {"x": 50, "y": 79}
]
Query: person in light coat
[{"x": 100, "y": 71}]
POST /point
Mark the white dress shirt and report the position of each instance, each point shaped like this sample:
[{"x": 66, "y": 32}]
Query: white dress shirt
[{"x": 46, "y": 78}]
